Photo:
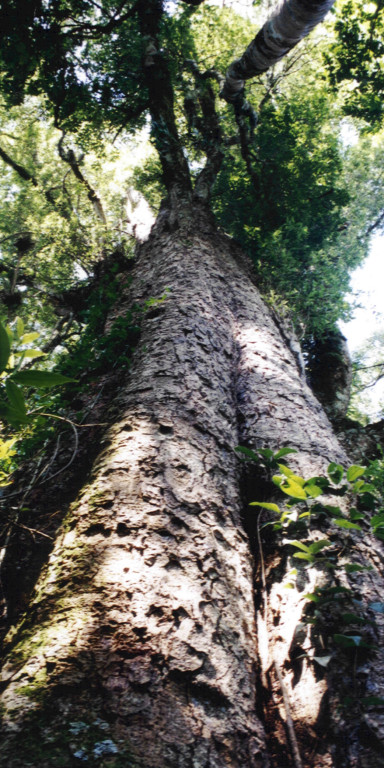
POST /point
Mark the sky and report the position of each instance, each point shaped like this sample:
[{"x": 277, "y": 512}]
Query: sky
[{"x": 368, "y": 287}]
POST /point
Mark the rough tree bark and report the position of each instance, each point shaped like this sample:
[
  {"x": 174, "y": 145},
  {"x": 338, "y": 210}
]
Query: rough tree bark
[{"x": 140, "y": 645}]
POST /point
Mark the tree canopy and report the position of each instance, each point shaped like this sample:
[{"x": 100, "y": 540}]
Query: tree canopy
[{"x": 84, "y": 84}]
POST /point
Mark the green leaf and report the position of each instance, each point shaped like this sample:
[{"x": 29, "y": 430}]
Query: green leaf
[
  {"x": 319, "y": 545},
  {"x": 335, "y": 472},
  {"x": 343, "y": 523},
  {"x": 43, "y": 379},
  {"x": 292, "y": 488},
  {"x": 356, "y": 568},
  {"x": 367, "y": 500},
  {"x": 5, "y": 348},
  {"x": 360, "y": 486},
  {"x": 291, "y": 475},
  {"x": 312, "y": 490},
  {"x": 322, "y": 482},
  {"x": 6, "y": 448},
  {"x": 378, "y": 519},
  {"x": 266, "y": 453},
  {"x": 29, "y": 337},
  {"x": 15, "y": 417},
  {"x": 355, "y": 471},
  {"x": 348, "y": 641},
  {"x": 266, "y": 505},
  {"x": 15, "y": 397},
  {"x": 19, "y": 327},
  {"x": 353, "y": 618},
  {"x": 332, "y": 510},
  {"x": 283, "y": 452},
  {"x": 31, "y": 353},
  {"x": 303, "y": 556},
  {"x": 298, "y": 544},
  {"x": 247, "y": 452},
  {"x": 354, "y": 514}
]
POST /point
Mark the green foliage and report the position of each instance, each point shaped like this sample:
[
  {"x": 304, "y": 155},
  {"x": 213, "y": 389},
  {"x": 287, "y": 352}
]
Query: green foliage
[
  {"x": 40, "y": 54},
  {"x": 291, "y": 218},
  {"x": 356, "y": 59},
  {"x": 51, "y": 235},
  {"x": 93, "y": 351},
  {"x": 368, "y": 371},
  {"x": 302, "y": 515},
  {"x": 295, "y": 219},
  {"x": 14, "y": 350}
]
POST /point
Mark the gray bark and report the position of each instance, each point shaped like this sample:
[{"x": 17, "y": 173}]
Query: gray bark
[
  {"x": 293, "y": 21},
  {"x": 142, "y": 637}
]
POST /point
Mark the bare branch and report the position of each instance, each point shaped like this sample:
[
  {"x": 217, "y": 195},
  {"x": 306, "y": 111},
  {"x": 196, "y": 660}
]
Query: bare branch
[
  {"x": 26, "y": 175},
  {"x": 68, "y": 156},
  {"x": 378, "y": 223}
]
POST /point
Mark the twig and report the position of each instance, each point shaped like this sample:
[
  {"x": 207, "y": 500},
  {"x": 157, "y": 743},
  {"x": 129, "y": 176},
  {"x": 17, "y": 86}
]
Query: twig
[
  {"x": 290, "y": 725},
  {"x": 68, "y": 464},
  {"x": 33, "y": 530},
  {"x": 291, "y": 728}
]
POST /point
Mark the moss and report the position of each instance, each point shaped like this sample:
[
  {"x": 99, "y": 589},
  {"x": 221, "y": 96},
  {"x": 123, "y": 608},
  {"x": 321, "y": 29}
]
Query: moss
[{"x": 36, "y": 688}]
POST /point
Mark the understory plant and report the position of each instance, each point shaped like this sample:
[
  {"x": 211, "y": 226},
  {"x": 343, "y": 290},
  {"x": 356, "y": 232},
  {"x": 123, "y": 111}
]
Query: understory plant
[{"x": 317, "y": 520}]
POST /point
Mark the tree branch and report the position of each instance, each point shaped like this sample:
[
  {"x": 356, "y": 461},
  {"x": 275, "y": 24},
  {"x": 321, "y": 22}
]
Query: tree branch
[
  {"x": 209, "y": 127},
  {"x": 161, "y": 104},
  {"x": 69, "y": 157},
  {"x": 95, "y": 30},
  {"x": 27, "y": 176},
  {"x": 291, "y": 22},
  {"x": 379, "y": 221}
]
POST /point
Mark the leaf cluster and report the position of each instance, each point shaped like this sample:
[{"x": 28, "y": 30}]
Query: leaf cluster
[
  {"x": 75, "y": 52},
  {"x": 355, "y": 60},
  {"x": 331, "y": 609}
]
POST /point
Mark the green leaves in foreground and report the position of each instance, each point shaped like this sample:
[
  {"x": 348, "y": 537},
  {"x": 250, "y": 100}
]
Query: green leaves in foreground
[
  {"x": 362, "y": 486},
  {"x": 5, "y": 348},
  {"x": 40, "y": 379},
  {"x": 13, "y": 350},
  {"x": 302, "y": 493}
]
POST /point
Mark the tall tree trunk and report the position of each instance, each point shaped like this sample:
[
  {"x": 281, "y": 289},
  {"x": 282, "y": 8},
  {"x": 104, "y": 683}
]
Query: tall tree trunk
[{"x": 141, "y": 646}]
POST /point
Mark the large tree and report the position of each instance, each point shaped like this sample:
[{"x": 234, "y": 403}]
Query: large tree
[{"x": 161, "y": 632}]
